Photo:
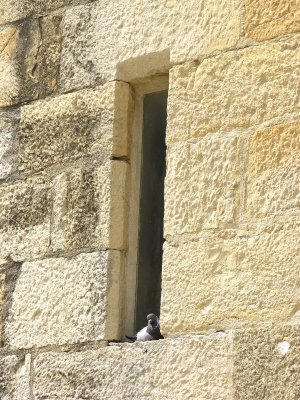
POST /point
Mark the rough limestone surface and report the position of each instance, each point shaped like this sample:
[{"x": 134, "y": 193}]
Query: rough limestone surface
[
  {"x": 68, "y": 303},
  {"x": 25, "y": 211},
  {"x": 266, "y": 363},
  {"x": 29, "y": 59},
  {"x": 9, "y": 121},
  {"x": 2, "y": 282},
  {"x": 92, "y": 49},
  {"x": 12, "y": 10},
  {"x": 190, "y": 368},
  {"x": 203, "y": 97},
  {"x": 202, "y": 184},
  {"x": 231, "y": 279},
  {"x": 74, "y": 125},
  {"x": 15, "y": 377},
  {"x": 42, "y": 47},
  {"x": 9, "y": 70},
  {"x": 90, "y": 208},
  {"x": 273, "y": 170},
  {"x": 85, "y": 206},
  {"x": 266, "y": 19}
]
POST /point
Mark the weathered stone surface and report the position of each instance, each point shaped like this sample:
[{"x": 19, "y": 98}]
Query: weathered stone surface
[
  {"x": 2, "y": 282},
  {"x": 266, "y": 19},
  {"x": 234, "y": 90},
  {"x": 9, "y": 121},
  {"x": 9, "y": 70},
  {"x": 74, "y": 300},
  {"x": 202, "y": 184},
  {"x": 228, "y": 279},
  {"x": 190, "y": 368},
  {"x": 25, "y": 210},
  {"x": 15, "y": 377},
  {"x": 11, "y": 272},
  {"x": 88, "y": 212},
  {"x": 74, "y": 125},
  {"x": 273, "y": 170},
  {"x": 266, "y": 363},
  {"x": 12, "y": 10},
  {"x": 90, "y": 208},
  {"x": 29, "y": 59},
  {"x": 92, "y": 49},
  {"x": 42, "y": 48}
]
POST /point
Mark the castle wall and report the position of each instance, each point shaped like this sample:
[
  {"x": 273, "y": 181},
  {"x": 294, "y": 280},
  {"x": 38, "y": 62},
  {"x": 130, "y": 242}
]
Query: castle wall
[{"x": 71, "y": 72}]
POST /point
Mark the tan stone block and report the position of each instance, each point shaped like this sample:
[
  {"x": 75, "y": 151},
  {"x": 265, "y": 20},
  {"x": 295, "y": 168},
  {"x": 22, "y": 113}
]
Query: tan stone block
[
  {"x": 9, "y": 69},
  {"x": 90, "y": 208},
  {"x": 266, "y": 363},
  {"x": 171, "y": 369},
  {"x": 177, "y": 190},
  {"x": 63, "y": 301},
  {"x": 266, "y": 19},
  {"x": 25, "y": 209},
  {"x": 75, "y": 125},
  {"x": 92, "y": 50},
  {"x": 2, "y": 282},
  {"x": 273, "y": 170},
  {"x": 9, "y": 141},
  {"x": 15, "y": 377},
  {"x": 29, "y": 59},
  {"x": 202, "y": 184},
  {"x": 234, "y": 90},
  {"x": 12, "y": 10},
  {"x": 260, "y": 363},
  {"x": 220, "y": 282},
  {"x": 40, "y": 70}
]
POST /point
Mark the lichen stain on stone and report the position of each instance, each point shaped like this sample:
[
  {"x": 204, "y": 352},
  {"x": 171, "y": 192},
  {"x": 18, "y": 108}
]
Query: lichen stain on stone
[{"x": 27, "y": 208}]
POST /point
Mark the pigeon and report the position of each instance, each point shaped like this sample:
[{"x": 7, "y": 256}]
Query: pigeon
[{"x": 149, "y": 332}]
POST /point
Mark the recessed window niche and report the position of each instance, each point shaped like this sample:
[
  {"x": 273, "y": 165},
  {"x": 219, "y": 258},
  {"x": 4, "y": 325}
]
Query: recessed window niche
[{"x": 146, "y": 210}]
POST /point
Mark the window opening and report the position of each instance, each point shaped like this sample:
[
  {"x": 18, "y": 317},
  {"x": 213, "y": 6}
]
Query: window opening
[{"x": 151, "y": 206}]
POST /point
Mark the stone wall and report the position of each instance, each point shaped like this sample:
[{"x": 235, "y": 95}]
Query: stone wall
[{"x": 230, "y": 307}]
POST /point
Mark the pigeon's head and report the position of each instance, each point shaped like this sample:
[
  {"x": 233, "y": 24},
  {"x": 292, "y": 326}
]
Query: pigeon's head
[{"x": 152, "y": 319}]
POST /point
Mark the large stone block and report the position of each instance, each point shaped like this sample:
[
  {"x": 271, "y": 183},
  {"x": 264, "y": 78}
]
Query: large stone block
[
  {"x": 25, "y": 213},
  {"x": 228, "y": 279},
  {"x": 12, "y": 10},
  {"x": 92, "y": 49},
  {"x": 74, "y": 300},
  {"x": 90, "y": 208},
  {"x": 29, "y": 59},
  {"x": 266, "y": 19},
  {"x": 259, "y": 363},
  {"x": 9, "y": 140},
  {"x": 233, "y": 91},
  {"x": 273, "y": 170},
  {"x": 266, "y": 363},
  {"x": 15, "y": 377},
  {"x": 86, "y": 207},
  {"x": 75, "y": 125},
  {"x": 202, "y": 184},
  {"x": 190, "y": 368}
]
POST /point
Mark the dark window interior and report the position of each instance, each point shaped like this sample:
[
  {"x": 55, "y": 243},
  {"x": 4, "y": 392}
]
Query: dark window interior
[{"x": 153, "y": 170}]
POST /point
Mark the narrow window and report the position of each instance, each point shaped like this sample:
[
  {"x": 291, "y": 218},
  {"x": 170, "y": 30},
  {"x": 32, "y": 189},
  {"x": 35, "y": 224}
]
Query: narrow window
[
  {"x": 146, "y": 210},
  {"x": 151, "y": 212}
]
